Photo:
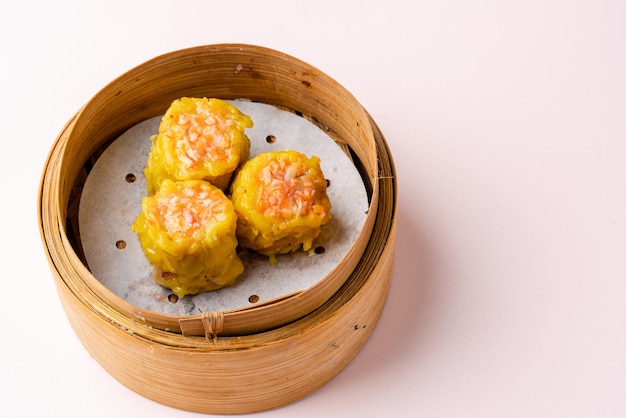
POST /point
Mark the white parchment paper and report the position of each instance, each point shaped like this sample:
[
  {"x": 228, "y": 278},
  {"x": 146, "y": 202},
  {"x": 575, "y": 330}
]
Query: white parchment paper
[{"x": 109, "y": 205}]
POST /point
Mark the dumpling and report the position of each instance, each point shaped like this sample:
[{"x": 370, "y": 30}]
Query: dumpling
[
  {"x": 198, "y": 138},
  {"x": 281, "y": 202},
  {"x": 187, "y": 231}
]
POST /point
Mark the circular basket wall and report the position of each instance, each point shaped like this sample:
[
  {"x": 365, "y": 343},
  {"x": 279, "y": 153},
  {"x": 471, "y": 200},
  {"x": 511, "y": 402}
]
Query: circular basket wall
[{"x": 244, "y": 360}]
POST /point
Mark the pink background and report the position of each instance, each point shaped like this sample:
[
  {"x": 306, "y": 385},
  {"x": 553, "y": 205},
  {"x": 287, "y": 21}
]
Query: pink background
[{"x": 507, "y": 124}]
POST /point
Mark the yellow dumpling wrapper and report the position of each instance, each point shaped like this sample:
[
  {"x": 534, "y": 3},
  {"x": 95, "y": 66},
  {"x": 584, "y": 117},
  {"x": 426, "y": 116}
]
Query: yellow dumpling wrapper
[
  {"x": 198, "y": 138},
  {"x": 281, "y": 202},
  {"x": 187, "y": 230}
]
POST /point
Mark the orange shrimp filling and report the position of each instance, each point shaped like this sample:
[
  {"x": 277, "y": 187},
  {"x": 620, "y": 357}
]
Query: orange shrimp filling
[
  {"x": 287, "y": 191},
  {"x": 201, "y": 137},
  {"x": 189, "y": 211}
]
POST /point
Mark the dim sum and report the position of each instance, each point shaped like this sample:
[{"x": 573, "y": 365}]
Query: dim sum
[
  {"x": 187, "y": 231},
  {"x": 200, "y": 139},
  {"x": 281, "y": 202}
]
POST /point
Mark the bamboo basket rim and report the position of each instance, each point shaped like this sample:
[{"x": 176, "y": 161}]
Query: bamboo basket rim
[{"x": 230, "y": 322}]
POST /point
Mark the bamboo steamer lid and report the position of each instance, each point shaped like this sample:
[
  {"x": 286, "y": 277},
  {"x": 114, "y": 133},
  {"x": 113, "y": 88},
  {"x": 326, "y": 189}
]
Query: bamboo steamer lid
[{"x": 249, "y": 359}]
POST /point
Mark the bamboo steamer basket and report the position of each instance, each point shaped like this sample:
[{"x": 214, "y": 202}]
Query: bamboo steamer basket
[{"x": 250, "y": 359}]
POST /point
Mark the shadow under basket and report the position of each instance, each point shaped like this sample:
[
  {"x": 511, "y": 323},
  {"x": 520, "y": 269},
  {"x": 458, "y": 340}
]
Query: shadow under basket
[{"x": 245, "y": 360}]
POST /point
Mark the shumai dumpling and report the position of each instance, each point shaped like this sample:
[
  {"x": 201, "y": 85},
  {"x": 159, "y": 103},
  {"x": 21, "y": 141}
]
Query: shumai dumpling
[
  {"x": 281, "y": 202},
  {"x": 200, "y": 139},
  {"x": 187, "y": 231}
]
